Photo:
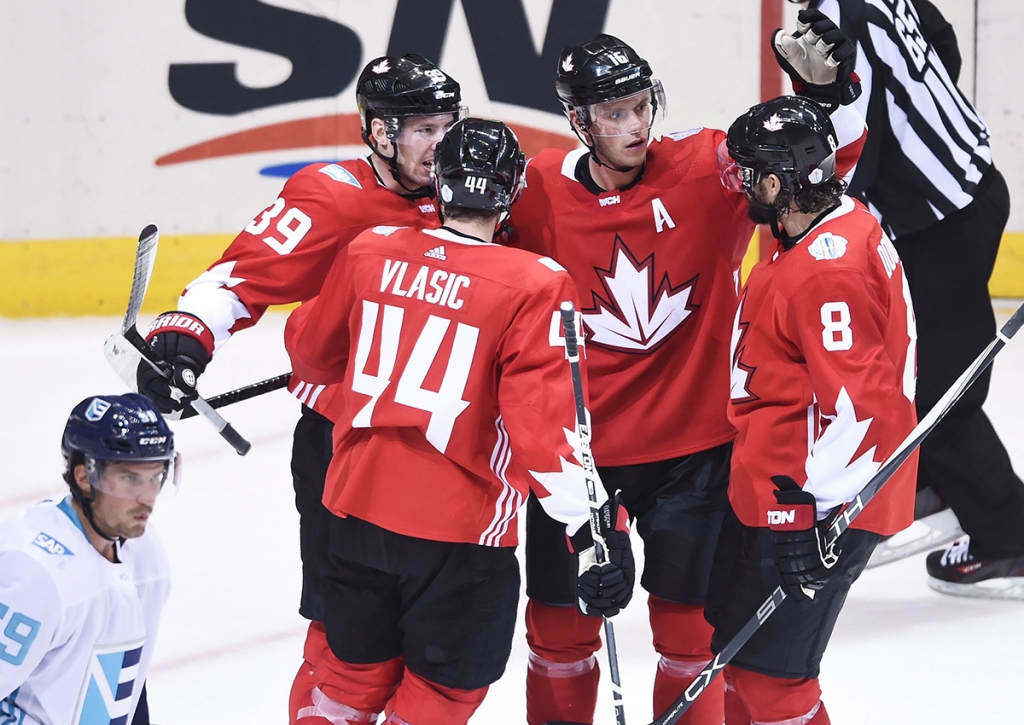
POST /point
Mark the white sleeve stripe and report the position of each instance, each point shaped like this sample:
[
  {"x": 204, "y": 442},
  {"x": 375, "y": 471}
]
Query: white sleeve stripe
[{"x": 501, "y": 457}]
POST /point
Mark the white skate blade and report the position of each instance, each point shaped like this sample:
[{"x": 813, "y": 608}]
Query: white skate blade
[
  {"x": 1000, "y": 588},
  {"x": 925, "y": 534}
]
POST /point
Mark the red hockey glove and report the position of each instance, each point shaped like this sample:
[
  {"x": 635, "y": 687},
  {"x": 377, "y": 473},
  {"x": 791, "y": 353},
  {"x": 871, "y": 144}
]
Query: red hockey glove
[
  {"x": 819, "y": 58},
  {"x": 804, "y": 561},
  {"x": 183, "y": 345},
  {"x": 604, "y": 589}
]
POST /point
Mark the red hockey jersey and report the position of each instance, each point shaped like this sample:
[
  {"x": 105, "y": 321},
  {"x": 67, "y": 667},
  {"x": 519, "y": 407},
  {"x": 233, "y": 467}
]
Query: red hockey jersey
[
  {"x": 657, "y": 266},
  {"x": 824, "y": 373},
  {"x": 456, "y": 397},
  {"x": 283, "y": 255}
]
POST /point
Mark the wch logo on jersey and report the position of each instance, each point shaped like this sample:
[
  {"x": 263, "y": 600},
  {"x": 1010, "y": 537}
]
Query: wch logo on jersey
[{"x": 106, "y": 697}]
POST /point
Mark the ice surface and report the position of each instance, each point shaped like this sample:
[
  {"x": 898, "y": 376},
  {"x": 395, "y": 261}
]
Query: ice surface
[{"x": 232, "y": 639}]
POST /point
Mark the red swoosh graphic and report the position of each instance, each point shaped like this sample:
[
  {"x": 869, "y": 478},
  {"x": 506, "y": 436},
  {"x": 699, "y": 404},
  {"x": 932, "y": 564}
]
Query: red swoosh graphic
[{"x": 337, "y": 130}]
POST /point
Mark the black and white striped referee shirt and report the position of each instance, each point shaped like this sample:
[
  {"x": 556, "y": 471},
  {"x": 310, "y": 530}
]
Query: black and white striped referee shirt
[{"x": 927, "y": 147}]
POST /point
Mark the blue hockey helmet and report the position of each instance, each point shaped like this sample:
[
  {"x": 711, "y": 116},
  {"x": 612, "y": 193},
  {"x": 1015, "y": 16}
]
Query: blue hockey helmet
[{"x": 116, "y": 428}]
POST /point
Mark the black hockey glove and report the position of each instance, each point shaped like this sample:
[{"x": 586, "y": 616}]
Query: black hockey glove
[
  {"x": 804, "y": 561},
  {"x": 182, "y": 345},
  {"x": 819, "y": 58},
  {"x": 604, "y": 589}
]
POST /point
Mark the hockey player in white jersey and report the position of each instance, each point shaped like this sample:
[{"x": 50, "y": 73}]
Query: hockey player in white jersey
[{"x": 83, "y": 580}]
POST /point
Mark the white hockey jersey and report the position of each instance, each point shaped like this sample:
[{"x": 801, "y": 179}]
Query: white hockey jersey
[{"x": 76, "y": 630}]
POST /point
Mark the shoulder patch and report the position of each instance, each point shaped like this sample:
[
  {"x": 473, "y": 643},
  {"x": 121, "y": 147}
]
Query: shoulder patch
[
  {"x": 51, "y": 546},
  {"x": 340, "y": 173},
  {"x": 386, "y": 231},
  {"x": 827, "y": 246},
  {"x": 551, "y": 264},
  {"x": 680, "y": 135}
]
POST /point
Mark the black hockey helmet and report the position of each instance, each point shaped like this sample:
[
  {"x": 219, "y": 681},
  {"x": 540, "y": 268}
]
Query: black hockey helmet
[
  {"x": 790, "y": 136},
  {"x": 394, "y": 87},
  {"x": 601, "y": 70},
  {"x": 479, "y": 165}
]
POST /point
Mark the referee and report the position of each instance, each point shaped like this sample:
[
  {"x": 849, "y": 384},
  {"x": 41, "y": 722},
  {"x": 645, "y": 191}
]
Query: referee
[{"x": 927, "y": 174}]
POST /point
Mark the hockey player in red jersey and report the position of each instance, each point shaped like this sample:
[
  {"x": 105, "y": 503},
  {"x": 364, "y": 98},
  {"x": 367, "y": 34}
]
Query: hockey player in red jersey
[
  {"x": 405, "y": 103},
  {"x": 654, "y": 244},
  {"x": 456, "y": 401},
  {"x": 822, "y": 393}
]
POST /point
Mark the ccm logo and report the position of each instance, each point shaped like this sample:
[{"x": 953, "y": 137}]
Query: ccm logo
[{"x": 780, "y": 518}]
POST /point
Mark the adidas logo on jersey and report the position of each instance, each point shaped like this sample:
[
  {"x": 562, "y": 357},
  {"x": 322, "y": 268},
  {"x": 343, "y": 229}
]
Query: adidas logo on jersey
[{"x": 436, "y": 253}]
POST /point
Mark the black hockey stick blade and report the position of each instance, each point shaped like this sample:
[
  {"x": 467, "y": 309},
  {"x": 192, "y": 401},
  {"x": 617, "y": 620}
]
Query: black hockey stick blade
[
  {"x": 145, "y": 258},
  {"x": 851, "y": 511},
  {"x": 244, "y": 393}
]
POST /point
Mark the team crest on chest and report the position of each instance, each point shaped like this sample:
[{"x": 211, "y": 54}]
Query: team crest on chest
[{"x": 639, "y": 311}]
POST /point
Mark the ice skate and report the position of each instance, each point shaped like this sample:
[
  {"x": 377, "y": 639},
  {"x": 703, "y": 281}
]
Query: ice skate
[{"x": 956, "y": 571}]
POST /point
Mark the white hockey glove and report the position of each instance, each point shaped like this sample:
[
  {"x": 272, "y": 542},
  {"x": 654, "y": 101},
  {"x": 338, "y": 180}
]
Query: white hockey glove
[{"x": 819, "y": 59}]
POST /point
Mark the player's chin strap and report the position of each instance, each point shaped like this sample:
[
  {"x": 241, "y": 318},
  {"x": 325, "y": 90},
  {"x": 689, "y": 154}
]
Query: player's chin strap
[
  {"x": 86, "y": 503},
  {"x": 420, "y": 192}
]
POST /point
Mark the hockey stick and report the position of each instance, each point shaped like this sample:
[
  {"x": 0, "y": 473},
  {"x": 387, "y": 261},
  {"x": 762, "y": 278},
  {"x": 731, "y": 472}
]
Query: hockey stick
[
  {"x": 126, "y": 349},
  {"x": 590, "y": 473},
  {"x": 851, "y": 511},
  {"x": 244, "y": 393}
]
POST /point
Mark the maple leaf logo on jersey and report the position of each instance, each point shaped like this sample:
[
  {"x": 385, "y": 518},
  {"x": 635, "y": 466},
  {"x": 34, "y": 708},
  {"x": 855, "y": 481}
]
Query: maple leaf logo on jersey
[
  {"x": 741, "y": 374},
  {"x": 567, "y": 65},
  {"x": 774, "y": 123},
  {"x": 637, "y": 315},
  {"x": 382, "y": 67},
  {"x": 832, "y": 464}
]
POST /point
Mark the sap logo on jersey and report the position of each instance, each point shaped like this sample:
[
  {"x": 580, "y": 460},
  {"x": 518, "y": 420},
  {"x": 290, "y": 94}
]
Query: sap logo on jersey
[
  {"x": 50, "y": 545},
  {"x": 106, "y": 695},
  {"x": 340, "y": 173},
  {"x": 445, "y": 296}
]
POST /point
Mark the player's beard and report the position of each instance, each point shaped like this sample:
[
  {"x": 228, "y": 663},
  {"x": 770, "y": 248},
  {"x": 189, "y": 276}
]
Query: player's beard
[{"x": 760, "y": 212}]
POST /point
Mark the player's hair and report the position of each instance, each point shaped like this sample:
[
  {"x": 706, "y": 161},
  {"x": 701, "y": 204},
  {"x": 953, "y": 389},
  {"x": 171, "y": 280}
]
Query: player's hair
[
  {"x": 816, "y": 199},
  {"x": 466, "y": 214}
]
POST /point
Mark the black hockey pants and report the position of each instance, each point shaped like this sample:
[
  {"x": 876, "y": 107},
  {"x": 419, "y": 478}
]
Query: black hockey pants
[{"x": 948, "y": 266}]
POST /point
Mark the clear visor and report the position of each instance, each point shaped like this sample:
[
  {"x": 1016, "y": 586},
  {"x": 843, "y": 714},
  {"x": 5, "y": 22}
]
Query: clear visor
[
  {"x": 426, "y": 130},
  {"x": 633, "y": 114},
  {"x": 135, "y": 480},
  {"x": 731, "y": 173}
]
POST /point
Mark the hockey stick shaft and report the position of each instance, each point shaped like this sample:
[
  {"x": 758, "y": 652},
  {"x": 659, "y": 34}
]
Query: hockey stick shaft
[
  {"x": 851, "y": 511},
  {"x": 568, "y": 312},
  {"x": 244, "y": 393},
  {"x": 145, "y": 259}
]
